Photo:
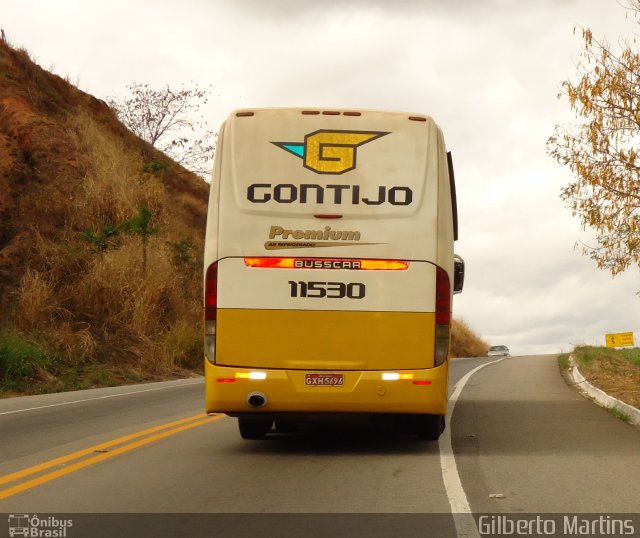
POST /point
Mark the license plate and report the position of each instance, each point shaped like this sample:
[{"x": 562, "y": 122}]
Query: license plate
[{"x": 324, "y": 380}]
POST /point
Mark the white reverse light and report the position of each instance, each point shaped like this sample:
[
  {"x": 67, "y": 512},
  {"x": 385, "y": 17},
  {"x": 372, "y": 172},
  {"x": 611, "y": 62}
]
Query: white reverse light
[{"x": 251, "y": 375}]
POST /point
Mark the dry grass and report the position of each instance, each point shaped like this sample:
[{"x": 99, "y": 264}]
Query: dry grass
[
  {"x": 117, "y": 297},
  {"x": 180, "y": 346},
  {"x": 617, "y": 372},
  {"x": 114, "y": 186},
  {"x": 67, "y": 166},
  {"x": 35, "y": 300},
  {"x": 465, "y": 343},
  {"x": 90, "y": 302}
]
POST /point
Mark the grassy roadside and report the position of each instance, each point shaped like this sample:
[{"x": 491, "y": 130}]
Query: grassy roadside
[
  {"x": 26, "y": 367},
  {"x": 615, "y": 371}
]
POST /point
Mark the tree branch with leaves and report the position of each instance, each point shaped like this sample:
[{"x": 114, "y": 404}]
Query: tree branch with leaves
[
  {"x": 140, "y": 225},
  {"x": 107, "y": 239},
  {"x": 602, "y": 150}
]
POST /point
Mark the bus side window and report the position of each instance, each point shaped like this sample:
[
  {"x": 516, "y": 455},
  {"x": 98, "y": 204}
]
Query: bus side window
[{"x": 454, "y": 200}]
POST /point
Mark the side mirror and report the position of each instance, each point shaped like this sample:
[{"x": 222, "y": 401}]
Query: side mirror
[{"x": 458, "y": 274}]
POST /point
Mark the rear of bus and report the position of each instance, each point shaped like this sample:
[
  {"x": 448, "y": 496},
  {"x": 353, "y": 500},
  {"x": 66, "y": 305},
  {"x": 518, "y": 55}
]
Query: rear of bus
[{"x": 329, "y": 268}]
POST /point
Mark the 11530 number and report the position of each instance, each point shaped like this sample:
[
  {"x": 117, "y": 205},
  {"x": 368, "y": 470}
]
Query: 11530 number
[{"x": 330, "y": 290}]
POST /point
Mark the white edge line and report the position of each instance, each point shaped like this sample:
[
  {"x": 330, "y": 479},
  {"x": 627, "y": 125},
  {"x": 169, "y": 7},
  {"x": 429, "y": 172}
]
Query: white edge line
[
  {"x": 97, "y": 398},
  {"x": 460, "y": 509}
]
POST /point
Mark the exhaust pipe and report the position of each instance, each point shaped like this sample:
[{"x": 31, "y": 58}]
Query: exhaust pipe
[{"x": 256, "y": 399}]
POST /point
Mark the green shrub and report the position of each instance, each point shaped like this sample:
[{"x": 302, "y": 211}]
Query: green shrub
[
  {"x": 563, "y": 361},
  {"x": 154, "y": 166},
  {"x": 20, "y": 358},
  {"x": 632, "y": 355},
  {"x": 587, "y": 354}
]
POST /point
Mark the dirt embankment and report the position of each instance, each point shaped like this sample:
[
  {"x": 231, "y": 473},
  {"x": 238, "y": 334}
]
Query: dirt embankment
[{"x": 85, "y": 301}]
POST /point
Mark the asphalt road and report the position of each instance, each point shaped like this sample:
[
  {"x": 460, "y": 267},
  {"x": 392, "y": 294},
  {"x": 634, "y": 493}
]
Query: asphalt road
[{"x": 517, "y": 432}]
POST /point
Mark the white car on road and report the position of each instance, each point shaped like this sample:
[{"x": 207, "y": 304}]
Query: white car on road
[{"x": 499, "y": 351}]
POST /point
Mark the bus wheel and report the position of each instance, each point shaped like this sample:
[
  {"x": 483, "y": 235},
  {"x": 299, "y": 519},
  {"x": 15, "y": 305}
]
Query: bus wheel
[
  {"x": 429, "y": 427},
  {"x": 254, "y": 428},
  {"x": 405, "y": 424}
]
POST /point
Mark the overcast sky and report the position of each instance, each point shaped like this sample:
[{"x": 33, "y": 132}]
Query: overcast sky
[{"x": 488, "y": 71}]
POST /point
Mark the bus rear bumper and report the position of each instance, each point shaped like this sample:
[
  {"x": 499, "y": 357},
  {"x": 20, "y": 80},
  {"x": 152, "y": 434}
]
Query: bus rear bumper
[{"x": 421, "y": 391}]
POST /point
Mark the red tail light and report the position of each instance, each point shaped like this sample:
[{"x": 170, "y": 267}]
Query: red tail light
[
  {"x": 327, "y": 263},
  {"x": 211, "y": 293},
  {"x": 443, "y": 317},
  {"x": 443, "y": 297},
  {"x": 211, "y": 312}
]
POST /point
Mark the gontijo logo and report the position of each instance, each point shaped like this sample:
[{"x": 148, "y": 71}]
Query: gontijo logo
[{"x": 330, "y": 152}]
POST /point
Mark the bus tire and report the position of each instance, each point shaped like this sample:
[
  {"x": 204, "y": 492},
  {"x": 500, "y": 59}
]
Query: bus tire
[
  {"x": 405, "y": 424},
  {"x": 254, "y": 428},
  {"x": 429, "y": 427}
]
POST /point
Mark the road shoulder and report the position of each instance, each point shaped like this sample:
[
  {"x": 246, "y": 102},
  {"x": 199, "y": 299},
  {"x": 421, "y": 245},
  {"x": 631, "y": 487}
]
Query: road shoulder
[
  {"x": 521, "y": 433},
  {"x": 599, "y": 396}
]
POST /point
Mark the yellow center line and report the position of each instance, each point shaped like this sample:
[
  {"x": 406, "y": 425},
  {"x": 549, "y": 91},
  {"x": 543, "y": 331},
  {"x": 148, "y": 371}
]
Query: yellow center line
[
  {"x": 181, "y": 425},
  {"x": 102, "y": 446}
]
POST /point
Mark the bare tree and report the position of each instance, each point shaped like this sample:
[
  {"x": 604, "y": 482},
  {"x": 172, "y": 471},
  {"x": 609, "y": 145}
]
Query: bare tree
[{"x": 169, "y": 120}]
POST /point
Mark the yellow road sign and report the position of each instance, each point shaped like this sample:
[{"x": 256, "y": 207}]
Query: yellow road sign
[{"x": 619, "y": 340}]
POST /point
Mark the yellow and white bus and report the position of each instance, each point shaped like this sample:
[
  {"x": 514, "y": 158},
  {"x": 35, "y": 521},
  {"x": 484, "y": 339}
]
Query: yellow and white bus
[{"x": 329, "y": 268}]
